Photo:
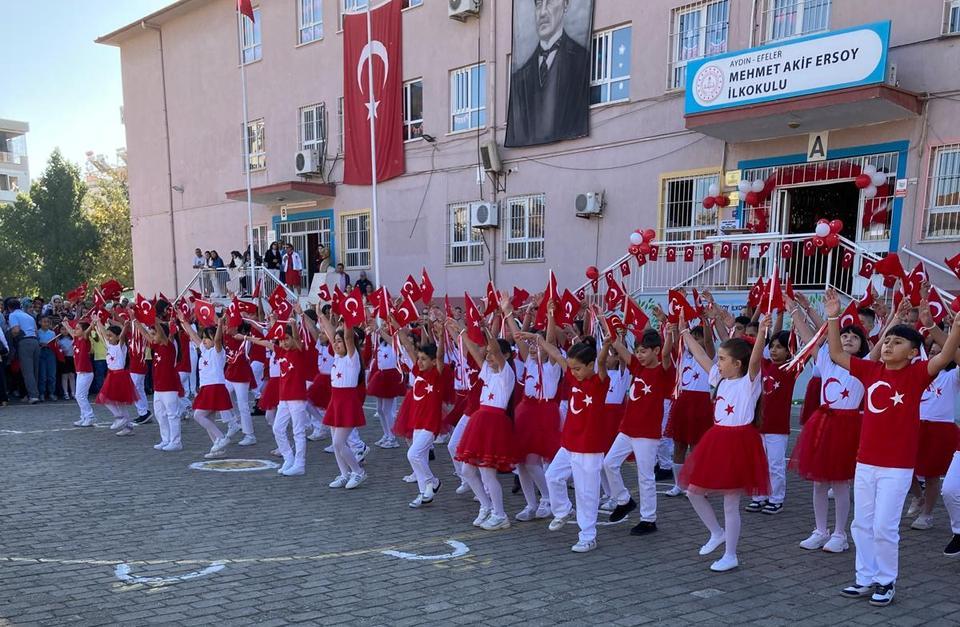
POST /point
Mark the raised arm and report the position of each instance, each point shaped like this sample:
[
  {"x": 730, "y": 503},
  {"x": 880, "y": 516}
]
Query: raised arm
[
  {"x": 693, "y": 346},
  {"x": 898, "y": 318},
  {"x": 511, "y": 324},
  {"x": 189, "y": 330},
  {"x": 756, "y": 356},
  {"x": 666, "y": 351},
  {"x": 831, "y": 306},
  {"x": 218, "y": 337},
  {"x": 948, "y": 350},
  {"x": 477, "y": 352},
  {"x": 441, "y": 348},
  {"x": 326, "y": 326},
  {"x": 708, "y": 345}
]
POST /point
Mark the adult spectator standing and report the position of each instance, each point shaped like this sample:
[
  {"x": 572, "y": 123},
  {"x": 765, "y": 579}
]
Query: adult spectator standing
[
  {"x": 199, "y": 263},
  {"x": 219, "y": 274},
  {"x": 4, "y": 357},
  {"x": 23, "y": 327},
  {"x": 343, "y": 279},
  {"x": 365, "y": 284},
  {"x": 273, "y": 260},
  {"x": 323, "y": 258}
]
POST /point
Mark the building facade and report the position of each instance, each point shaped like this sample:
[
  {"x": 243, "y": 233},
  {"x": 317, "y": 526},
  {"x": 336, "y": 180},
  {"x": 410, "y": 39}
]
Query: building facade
[
  {"x": 650, "y": 154},
  {"x": 14, "y": 164}
]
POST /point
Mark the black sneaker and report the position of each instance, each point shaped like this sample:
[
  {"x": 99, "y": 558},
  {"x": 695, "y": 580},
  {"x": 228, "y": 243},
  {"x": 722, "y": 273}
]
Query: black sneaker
[
  {"x": 144, "y": 419},
  {"x": 856, "y": 591},
  {"x": 882, "y": 595},
  {"x": 516, "y": 484},
  {"x": 257, "y": 411},
  {"x": 620, "y": 511},
  {"x": 772, "y": 508},
  {"x": 953, "y": 549},
  {"x": 432, "y": 456},
  {"x": 643, "y": 528},
  {"x": 663, "y": 474},
  {"x": 755, "y": 506}
]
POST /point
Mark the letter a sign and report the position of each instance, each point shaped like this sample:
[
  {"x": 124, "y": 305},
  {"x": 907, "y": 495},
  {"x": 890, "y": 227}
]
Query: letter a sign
[{"x": 817, "y": 146}]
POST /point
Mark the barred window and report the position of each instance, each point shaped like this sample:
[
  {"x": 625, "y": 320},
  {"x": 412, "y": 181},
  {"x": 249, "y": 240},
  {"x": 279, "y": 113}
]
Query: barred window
[
  {"x": 468, "y": 98},
  {"x": 783, "y": 19},
  {"x": 412, "y": 109},
  {"x": 696, "y": 31},
  {"x": 942, "y": 217},
  {"x": 523, "y": 235},
  {"x": 250, "y": 47},
  {"x": 682, "y": 214},
  {"x": 356, "y": 247},
  {"x": 256, "y": 145},
  {"x": 313, "y": 127},
  {"x": 464, "y": 243},
  {"x": 310, "y": 20},
  {"x": 610, "y": 66}
]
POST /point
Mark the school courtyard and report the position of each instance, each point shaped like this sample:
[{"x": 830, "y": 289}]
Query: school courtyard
[{"x": 98, "y": 530}]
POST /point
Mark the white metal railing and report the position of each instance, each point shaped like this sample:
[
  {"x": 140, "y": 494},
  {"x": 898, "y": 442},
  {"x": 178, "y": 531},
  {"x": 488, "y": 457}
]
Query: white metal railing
[
  {"x": 222, "y": 283},
  {"x": 10, "y": 157}
]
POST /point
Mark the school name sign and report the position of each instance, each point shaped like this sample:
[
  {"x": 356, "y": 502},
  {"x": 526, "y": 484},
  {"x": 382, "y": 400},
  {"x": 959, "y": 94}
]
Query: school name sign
[{"x": 818, "y": 63}]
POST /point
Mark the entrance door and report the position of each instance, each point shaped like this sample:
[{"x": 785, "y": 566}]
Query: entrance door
[{"x": 306, "y": 236}]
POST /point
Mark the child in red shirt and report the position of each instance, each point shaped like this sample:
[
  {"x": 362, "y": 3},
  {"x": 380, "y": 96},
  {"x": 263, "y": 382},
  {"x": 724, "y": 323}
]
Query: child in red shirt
[{"x": 889, "y": 439}]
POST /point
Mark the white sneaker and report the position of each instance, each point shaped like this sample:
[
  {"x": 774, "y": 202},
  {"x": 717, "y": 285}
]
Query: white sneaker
[
  {"x": 674, "y": 491},
  {"x": 418, "y": 502},
  {"x": 294, "y": 470},
  {"x": 463, "y": 488},
  {"x": 215, "y": 454},
  {"x": 431, "y": 490},
  {"x": 559, "y": 521},
  {"x": 89, "y": 422},
  {"x": 117, "y": 423},
  {"x": 380, "y": 441},
  {"x": 125, "y": 431},
  {"x": 79, "y": 423},
  {"x": 816, "y": 541},
  {"x": 526, "y": 514},
  {"x": 543, "y": 511},
  {"x": 232, "y": 430},
  {"x": 830, "y": 493},
  {"x": 339, "y": 482},
  {"x": 495, "y": 523},
  {"x": 584, "y": 547},
  {"x": 443, "y": 438},
  {"x": 837, "y": 543},
  {"x": 923, "y": 521},
  {"x": 390, "y": 443},
  {"x": 485, "y": 513},
  {"x": 248, "y": 440},
  {"x": 159, "y": 445},
  {"x": 276, "y": 453},
  {"x": 328, "y": 449},
  {"x": 915, "y": 504},
  {"x": 315, "y": 435},
  {"x": 220, "y": 444},
  {"x": 725, "y": 563},
  {"x": 362, "y": 453},
  {"x": 411, "y": 478},
  {"x": 714, "y": 543},
  {"x": 609, "y": 505},
  {"x": 172, "y": 447},
  {"x": 356, "y": 478}
]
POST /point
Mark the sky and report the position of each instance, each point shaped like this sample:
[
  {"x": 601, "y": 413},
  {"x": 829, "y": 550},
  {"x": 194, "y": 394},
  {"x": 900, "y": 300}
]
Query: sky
[{"x": 56, "y": 78}]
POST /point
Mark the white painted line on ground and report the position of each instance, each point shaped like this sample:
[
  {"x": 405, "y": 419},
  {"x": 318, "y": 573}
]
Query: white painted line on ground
[
  {"x": 459, "y": 550},
  {"x": 122, "y": 572}
]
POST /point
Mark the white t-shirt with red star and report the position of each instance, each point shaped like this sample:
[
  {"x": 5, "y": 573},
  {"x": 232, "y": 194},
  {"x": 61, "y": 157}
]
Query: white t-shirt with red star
[
  {"x": 497, "y": 386},
  {"x": 116, "y": 356},
  {"x": 838, "y": 388},
  {"x": 939, "y": 399},
  {"x": 619, "y": 382},
  {"x": 324, "y": 358},
  {"x": 693, "y": 378},
  {"x": 531, "y": 379},
  {"x": 736, "y": 399},
  {"x": 345, "y": 372},
  {"x": 210, "y": 365}
]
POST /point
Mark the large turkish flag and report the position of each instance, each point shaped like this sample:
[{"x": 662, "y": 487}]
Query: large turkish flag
[{"x": 385, "y": 52}]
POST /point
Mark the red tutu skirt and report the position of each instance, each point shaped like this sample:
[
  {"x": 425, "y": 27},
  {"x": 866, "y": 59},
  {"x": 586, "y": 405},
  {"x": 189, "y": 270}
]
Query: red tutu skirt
[
  {"x": 488, "y": 441},
  {"x": 827, "y": 447},
  {"x": 270, "y": 397},
  {"x": 938, "y": 443},
  {"x": 612, "y": 417},
  {"x": 691, "y": 415},
  {"x": 345, "y": 408},
  {"x": 319, "y": 392},
  {"x": 811, "y": 399},
  {"x": 401, "y": 424},
  {"x": 117, "y": 389},
  {"x": 727, "y": 458},
  {"x": 386, "y": 384},
  {"x": 536, "y": 425},
  {"x": 213, "y": 398}
]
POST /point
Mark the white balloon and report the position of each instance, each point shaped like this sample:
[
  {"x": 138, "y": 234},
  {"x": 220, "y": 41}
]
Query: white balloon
[
  {"x": 743, "y": 186},
  {"x": 870, "y": 169},
  {"x": 714, "y": 189},
  {"x": 756, "y": 186},
  {"x": 870, "y": 192},
  {"x": 822, "y": 229},
  {"x": 636, "y": 239},
  {"x": 878, "y": 179}
]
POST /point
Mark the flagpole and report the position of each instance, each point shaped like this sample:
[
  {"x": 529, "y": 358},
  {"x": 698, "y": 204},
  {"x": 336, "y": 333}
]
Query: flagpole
[
  {"x": 246, "y": 149},
  {"x": 373, "y": 156}
]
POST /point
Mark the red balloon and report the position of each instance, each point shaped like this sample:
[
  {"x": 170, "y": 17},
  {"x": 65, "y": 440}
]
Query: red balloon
[
  {"x": 645, "y": 248},
  {"x": 723, "y": 201},
  {"x": 863, "y": 181},
  {"x": 752, "y": 199},
  {"x": 831, "y": 241},
  {"x": 593, "y": 273},
  {"x": 709, "y": 202},
  {"x": 649, "y": 235},
  {"x": 836, "y": 225}
]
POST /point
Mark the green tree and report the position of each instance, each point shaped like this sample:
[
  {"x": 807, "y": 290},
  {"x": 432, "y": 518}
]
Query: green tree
[
  {"x": 48, "y": 240},
  {"x": 107, "y": 204}
]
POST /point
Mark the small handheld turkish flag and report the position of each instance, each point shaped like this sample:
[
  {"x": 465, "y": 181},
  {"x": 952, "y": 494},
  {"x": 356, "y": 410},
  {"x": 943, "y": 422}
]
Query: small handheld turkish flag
[
  {"x": 891, "y": 266},
  {"x": 677, "y": 303},
  {"x": 635, "y": 318},
  {"x": 407, "y": 312},
  {"x": 354, "y": 313},
  {"x": 867, "y": 268},
  {"x": 473, "y": 318},
  {"x": 184, "y": 309},
  {"x": 567, "y": 309},
  {"x": 206, "y": 316},
  {"x": 111, "y": 289},
  {"x": 380, "y": 303},
  {"x": 411, "y": 287},
  {"x": 755, "y": 294},
  {"x": 615, "y": 323},
  {"x": 426, "y": 287},
  {"x": 144, "y": 311},
  {"x": 277, "y": 331},
  {"x": 234, "y": 319},
  {"x": 851, "y": 317},
  {"x": 549, "y": 294},
  {"x": 614, "y": 295},
  {"x": 492, "y": 298},
  {"x": 520, "y": 297},
  {"x": 954, "y": 264},
  {"x": 324, "y": 293},
  {"x": 938, "y": 309}
]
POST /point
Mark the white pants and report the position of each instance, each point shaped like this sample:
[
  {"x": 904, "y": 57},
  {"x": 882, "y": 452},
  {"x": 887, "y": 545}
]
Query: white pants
[
  {"x": 878, "y": 496},
  {"x": 386, "y": 412},
  {"x": 775, "y": 446},
  {"x": 454, "y": 442},
  {"x": 240, "y": 395},
  {"x": 166, "y": 409},
  {"x": 354, "y": 440},
  {"x": 665, "y": 451},
  {"x": 645, "y": 450},
  {"x": 295, "y": 412},
  {"x": 192, "y": 383},
  {"x": 141, "y": 402},
  {"x": 419, "y": 457},
  {"x": 951, "y": 492},
  {"x": 82, "y": 394},
  {"x": 257, "y": 367},
  {"x": 585, "y": 468}
]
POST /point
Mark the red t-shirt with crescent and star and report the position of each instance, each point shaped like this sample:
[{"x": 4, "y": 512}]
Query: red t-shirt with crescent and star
[
  {"x": 776, "y": 397},
  {"x": 426, "y": 400},
  {"x": 293, "y": 383},
  {"x": 890, "y": 433},
  {"x": 584, "y": 429},
  {"x": 643, "y": 417}
]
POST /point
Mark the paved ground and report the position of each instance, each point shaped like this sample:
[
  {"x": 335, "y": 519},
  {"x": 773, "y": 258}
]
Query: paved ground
[{"x": 96, "y": 529}]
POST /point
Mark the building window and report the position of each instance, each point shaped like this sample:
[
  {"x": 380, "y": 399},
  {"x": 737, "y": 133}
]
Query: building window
[
  {"x": 412, "y": 110},
  {"x": 313, "y": 127},
  {"x": 468, "y": 98},
  {"x": 340, "y": 121},
  {"x": 682, "y": 214},
  {"x": 260, "y": 243},
  {"x": 9, "y": 183},
  {"x": 356, "y": 243},
  {"x": 524, "y": 233},
  {"x": 351, "y": 6},
  {"x": 310, "y": 18},
  {"x": 610, "y": 66},
  {"x": 791, "y": 18},
  {"x": 951, "y": 22},
  {"x": 250, "y": 48},
  {"x": 464, "y": 243},
  {"x": 411, "y": 3},
  {"x": 696, "y": 31},
  {"x": 256, "y": 145},
  {"x": 942, "y": 219}
]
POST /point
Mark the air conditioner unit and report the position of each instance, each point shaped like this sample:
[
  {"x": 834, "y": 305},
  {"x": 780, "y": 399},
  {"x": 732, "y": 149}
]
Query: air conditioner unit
[
  {"x": 306, "y": 162},
  {"x": 490, "y": 156},
  {"x": 589, "y": 204},
  {"x": 484, "y": 215},
  {"x": 462, "y": 9}
]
